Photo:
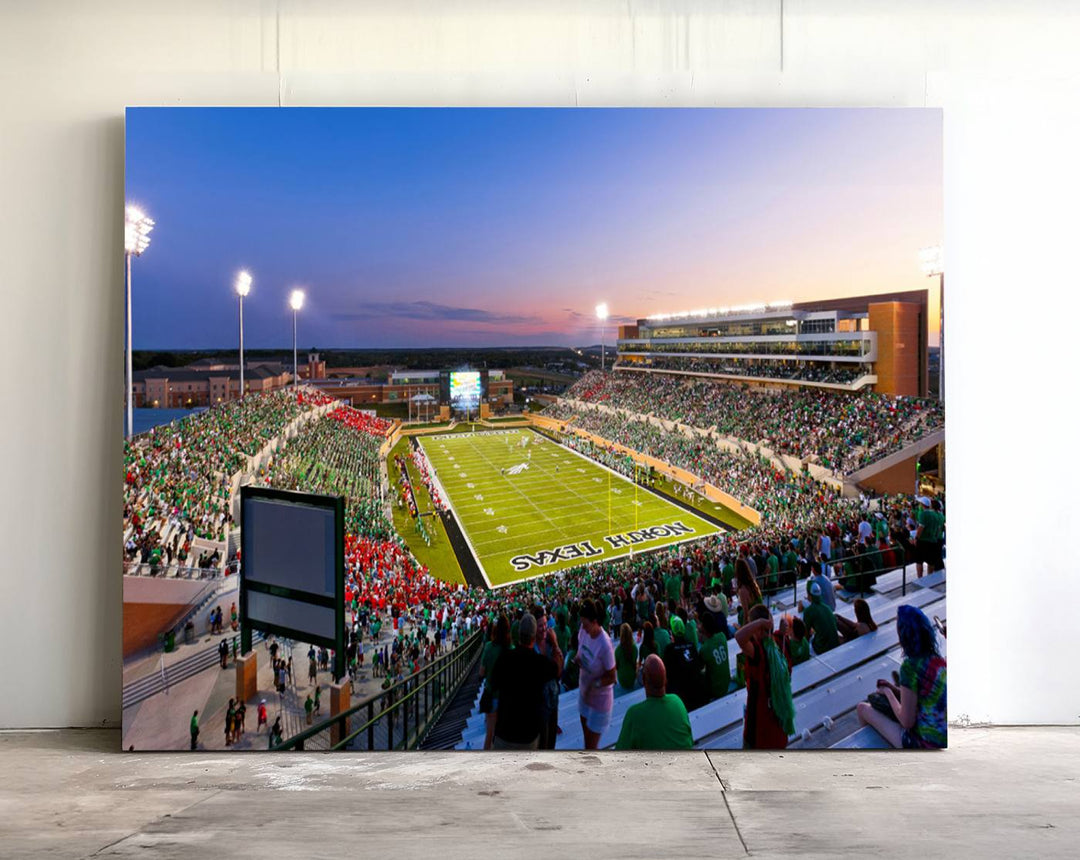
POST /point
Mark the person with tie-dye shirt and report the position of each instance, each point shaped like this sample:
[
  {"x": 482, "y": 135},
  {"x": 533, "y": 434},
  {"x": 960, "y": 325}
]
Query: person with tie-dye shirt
[{"x": 919, "y": 703}]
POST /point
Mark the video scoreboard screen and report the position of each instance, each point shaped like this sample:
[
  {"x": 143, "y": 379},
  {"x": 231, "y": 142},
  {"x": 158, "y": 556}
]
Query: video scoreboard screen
[{"x": 465, "y": 391}]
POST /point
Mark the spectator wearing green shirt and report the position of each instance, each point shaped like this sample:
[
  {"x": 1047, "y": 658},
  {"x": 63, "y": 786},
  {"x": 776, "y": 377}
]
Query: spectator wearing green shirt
[
  {"x": 626, "y": 659},
  {"x": 727, "y": 574},
  {"x": 772, "y": 571},
  {"x": 194, "y": 729},
  {"x": 660, "y": 722},
  {"x": 661, "y": 633},
  {"x": 797, "y": 645},
  {"x": 820, "y": 622},
  {"x": 789, "y": 566},
  {"x": 714, "y": 651},
  {"x": 673, "y": 586},
  {"x": 562, "y": 628},
  {"x": 929, "y": 534}
]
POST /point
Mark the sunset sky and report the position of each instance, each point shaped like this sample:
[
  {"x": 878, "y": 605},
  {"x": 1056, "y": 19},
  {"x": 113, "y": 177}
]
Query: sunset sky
[{"x": 465, "y": 227}]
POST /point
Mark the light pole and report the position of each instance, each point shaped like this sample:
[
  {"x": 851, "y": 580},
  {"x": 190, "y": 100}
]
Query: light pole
[
  {"x": 602, "y": 315},
  {"x": 296, "y": 301},
  {"x": 137, "y": 227},
  {"x": 932, "y": 261},
  {"x": 243, "y": 287}
]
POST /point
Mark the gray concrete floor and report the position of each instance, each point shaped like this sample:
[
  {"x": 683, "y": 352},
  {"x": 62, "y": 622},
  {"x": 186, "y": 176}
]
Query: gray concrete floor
[{"x": 994, "y": 793}]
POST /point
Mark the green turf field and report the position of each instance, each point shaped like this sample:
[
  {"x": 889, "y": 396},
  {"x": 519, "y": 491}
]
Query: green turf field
[{"x": 528, "y": 510}]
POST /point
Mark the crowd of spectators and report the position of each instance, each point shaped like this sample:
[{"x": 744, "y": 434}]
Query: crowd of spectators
[
  {"x": 339, "y": 456},
  {"x": 779, "y": 495},
  {"x": 177, "y": 476},
  {"x": 668, "y": 609},
  {"x": 841, "y": 431},
  {"x": 789, "y": 371}
]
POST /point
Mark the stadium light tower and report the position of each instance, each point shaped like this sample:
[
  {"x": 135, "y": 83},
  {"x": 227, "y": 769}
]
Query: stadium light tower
[
  {"x": 296, "y": 301},
  {"x": 602, "y": 315},
  {"x": 243, "y": 287},
  {"x": 137, "y": 227},
  {"x": 932, "y": 261}
]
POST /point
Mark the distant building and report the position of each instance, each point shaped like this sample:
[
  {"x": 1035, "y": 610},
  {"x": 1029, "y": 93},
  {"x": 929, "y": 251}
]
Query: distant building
[
  {"x": 314, "y": 369},
  {"x": 205, "y": 383},
  {"x": 877, "y": 342},
  {"x": 403, "y": 385},
  {"x": 209, "y": 381}
]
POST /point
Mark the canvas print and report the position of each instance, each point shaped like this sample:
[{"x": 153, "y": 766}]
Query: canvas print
[{"x": 534, "y": 429}]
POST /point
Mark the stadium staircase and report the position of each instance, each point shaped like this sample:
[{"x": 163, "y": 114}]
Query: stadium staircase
[
  {"x": 825, "y": 688},
  {"x": 168, "y": 676},
  {"x": 448, "y": 729}
]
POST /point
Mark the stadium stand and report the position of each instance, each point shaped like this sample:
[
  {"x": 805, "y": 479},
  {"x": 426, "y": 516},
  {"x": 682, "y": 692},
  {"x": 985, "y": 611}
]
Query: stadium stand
[{"x": 178, "y": 480}]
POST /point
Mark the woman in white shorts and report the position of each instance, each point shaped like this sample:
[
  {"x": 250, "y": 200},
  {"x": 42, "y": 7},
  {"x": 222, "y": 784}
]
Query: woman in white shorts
[{"x": 596, "y": 657}]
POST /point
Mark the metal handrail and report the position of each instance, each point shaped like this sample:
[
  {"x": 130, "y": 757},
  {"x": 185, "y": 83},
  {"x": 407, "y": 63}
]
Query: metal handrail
[
  {"x": 464, "y": 652},
  {"x": 814, "y": 566},
  {"x": 132, "y": 568}
]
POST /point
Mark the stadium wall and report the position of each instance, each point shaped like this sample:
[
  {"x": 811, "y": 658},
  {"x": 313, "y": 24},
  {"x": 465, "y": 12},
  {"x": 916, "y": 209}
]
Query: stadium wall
[{"x": 1007, "y": 83}]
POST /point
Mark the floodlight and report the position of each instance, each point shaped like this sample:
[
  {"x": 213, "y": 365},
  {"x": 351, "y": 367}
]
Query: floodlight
[
  {"x": 137, "y": 227},
  {"x": 932, "y": 260},
  {"x": 243, "y": 284},
  {"x": 296, "y": 299}
]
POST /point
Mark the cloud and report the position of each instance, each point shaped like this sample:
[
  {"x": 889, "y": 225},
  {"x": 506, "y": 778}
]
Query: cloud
[
  {"x": 424, "y": 310},
  {"x": 590, "y": 319}
]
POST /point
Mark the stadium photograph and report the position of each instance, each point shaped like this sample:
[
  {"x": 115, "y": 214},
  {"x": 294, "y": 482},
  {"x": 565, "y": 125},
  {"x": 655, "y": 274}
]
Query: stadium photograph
[{"x": 527, "y": 429}]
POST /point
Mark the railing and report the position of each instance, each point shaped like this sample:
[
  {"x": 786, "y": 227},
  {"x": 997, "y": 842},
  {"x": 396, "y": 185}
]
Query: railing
[
  {"x": 868, "y": 567},
  {"x": 399, "y": 717},
  {"x": 135, "y": 568}
]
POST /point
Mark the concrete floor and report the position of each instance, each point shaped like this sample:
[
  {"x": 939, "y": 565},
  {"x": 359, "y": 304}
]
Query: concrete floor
[{"x": 994, "y": 793}]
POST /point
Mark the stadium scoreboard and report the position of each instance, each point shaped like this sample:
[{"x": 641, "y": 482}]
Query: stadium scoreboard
[
  {"x": 463, "y": 390},
  {"x": 292, "y": 572}
]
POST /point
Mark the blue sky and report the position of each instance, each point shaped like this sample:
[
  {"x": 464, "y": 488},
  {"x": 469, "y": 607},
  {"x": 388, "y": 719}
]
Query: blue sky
[{"x": 485, "y": 227}]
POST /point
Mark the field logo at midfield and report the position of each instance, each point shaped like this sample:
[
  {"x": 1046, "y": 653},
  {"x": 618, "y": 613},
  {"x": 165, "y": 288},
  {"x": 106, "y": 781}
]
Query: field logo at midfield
[
  {"x": 585, "y": 550},
  {"x": 652, "y": 533}
]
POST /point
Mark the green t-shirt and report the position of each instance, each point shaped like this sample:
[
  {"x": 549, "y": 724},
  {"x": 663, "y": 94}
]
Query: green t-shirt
[
  {"x": 933, "y": 525},
  {"x": 662, "y": 638},
  {"x": 626, "y": 667},
  {"x": 714, "y": 651},
  {"x": 798, "y": 651},
  {"x": 728, "y": 573},
  {"x": 492, "y": 652},
  {"x": 691, "y": 633},
  {"x": 821, "y": 620},
  {"x": 791, "y": 560},
  {"x": 673, "y": 586},
  {"x": 658, "y": 723}
]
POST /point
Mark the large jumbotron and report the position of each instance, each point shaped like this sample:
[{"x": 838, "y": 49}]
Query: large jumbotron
[{"x": 718, "y": 524}]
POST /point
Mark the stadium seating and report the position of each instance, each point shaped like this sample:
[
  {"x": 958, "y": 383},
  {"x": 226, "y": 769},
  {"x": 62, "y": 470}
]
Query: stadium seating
[{"x": 827, "y": 685}]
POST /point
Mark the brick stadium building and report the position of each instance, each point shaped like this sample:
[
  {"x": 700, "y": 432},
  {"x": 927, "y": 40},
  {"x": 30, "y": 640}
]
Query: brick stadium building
[{"x": 876, "y": 342}]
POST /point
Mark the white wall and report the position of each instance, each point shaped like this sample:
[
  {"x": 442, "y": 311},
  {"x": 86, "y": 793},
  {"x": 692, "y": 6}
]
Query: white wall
[{"x": 1004, "y": 72}]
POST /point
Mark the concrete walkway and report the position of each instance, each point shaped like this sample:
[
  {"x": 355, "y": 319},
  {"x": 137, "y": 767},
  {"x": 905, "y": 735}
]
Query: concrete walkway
[
  {"x": 162, "y": 721},
  {"x": 994, "y": 793}
]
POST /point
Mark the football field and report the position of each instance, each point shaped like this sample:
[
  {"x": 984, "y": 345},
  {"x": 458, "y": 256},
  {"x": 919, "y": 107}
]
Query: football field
[{"x": 529, "y": 507}]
